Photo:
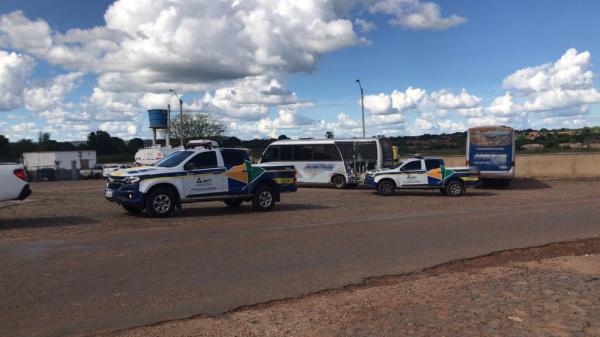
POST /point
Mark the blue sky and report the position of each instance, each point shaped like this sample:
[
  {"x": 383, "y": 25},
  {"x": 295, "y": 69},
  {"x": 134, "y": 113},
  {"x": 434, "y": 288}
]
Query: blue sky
[{"x": 289, "y": 70}]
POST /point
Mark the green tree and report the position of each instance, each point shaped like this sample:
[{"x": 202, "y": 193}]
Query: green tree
[
  {"x": 329, "y": 134},
  {"x": 196, "y": 125},
  {"x": 282, "y": 137},
  {"x": 134, "y": 145}
]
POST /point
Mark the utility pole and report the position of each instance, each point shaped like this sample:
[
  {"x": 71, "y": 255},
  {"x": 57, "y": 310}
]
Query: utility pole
[
  {"x": 168, "y": 140},
  {"x": 362, "y": 103},
  {"x": 180, "y": 114}
]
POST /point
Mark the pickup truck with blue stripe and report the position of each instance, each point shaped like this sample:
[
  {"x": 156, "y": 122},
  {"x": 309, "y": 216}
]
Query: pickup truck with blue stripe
[
  {"x": 423, "y": 173},
  {"x": 199, "y": 174}
]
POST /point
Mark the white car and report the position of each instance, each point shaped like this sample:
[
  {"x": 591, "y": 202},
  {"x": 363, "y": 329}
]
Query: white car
[
  {"x": 107, "y": 169},
  {"x": 14, "y": 182}
]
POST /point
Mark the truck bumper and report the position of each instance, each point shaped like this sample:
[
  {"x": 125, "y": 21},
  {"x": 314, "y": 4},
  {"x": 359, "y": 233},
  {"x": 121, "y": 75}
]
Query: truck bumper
[
  {"x": 126, "y": 197},
  {"x": 370, "y": 181},
  {"x": 25, "y": 192}
]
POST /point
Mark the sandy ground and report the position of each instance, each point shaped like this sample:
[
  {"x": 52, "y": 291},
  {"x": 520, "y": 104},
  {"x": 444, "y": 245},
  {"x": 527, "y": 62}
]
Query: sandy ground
[
  {"x": 62, "y": 209},
  {"x": 558, "y": 296}
]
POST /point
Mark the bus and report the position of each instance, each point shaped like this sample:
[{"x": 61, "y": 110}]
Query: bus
[
  {"x": 492, "y": 150},
  {"x": 340, "y": 162}
]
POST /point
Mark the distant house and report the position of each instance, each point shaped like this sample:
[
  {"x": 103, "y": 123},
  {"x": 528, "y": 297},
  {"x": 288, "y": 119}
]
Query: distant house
[{"x": 58, "y": 165}]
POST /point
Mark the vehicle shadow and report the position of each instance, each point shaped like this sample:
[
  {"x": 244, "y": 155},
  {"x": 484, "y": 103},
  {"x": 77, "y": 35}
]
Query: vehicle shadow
[
  {"x": 245, "y": 208},
  {"x": 42, "y": 222},
  {"x": 517, "y": 184},
  {"x": 436, "y": 193}
]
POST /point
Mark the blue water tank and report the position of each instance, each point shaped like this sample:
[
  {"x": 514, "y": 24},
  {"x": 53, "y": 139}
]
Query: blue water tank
[{"x": 158, "y": 118}]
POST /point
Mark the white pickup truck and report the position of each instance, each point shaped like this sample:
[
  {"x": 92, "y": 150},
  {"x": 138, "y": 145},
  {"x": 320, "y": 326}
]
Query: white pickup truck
[
  {"x": 14, "y": 182},
  {"x": 423, "y": 173}
]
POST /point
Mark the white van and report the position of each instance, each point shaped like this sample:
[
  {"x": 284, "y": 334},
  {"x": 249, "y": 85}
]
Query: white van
[{"x": 340, "y": 162}]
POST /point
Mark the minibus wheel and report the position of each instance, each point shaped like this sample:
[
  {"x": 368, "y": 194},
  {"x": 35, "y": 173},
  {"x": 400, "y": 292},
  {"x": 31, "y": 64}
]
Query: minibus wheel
[{"x": 339, "y": 181}]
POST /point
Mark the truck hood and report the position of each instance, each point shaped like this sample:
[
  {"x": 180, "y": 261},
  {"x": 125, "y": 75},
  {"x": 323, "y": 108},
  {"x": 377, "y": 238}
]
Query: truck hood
[{"x": 138, "y": 171}]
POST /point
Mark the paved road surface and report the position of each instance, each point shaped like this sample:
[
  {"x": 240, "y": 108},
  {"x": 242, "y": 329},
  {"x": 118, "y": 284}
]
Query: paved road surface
[{"x": 97, "y": 273}]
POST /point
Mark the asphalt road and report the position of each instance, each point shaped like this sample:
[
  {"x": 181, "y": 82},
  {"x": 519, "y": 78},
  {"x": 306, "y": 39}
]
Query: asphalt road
[{"x": 74, "y": 264}]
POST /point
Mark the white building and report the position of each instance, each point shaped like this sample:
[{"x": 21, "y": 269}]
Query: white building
[{"x": 65, "y": 164}]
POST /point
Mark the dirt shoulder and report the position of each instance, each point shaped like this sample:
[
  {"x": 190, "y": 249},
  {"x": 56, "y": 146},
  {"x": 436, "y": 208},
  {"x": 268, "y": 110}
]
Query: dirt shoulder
[{"x": 552, "y": 290}]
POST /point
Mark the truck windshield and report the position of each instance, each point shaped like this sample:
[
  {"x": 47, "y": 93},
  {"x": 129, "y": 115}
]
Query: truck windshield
[{"x": 173, "y": 159}]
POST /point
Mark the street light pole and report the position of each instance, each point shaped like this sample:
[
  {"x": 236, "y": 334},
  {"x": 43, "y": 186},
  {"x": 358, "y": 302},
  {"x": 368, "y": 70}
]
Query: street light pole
[
  {"x": 180, "y": 115},
  {"x": 362, "y": 103}
]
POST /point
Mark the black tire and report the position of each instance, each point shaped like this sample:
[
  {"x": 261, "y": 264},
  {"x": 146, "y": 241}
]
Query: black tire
[
  {"x": 263, "y": 199},
  {"x": 133, "y": 209},
  {"x": 233, "y": 202},
  {"x": 339, "y": 181},
  {"x": 506, "y": 183},
  {"x": 161, "y": 203},
  {"x": 386, "y": 187},
  {"x": 455, "y": 188}
]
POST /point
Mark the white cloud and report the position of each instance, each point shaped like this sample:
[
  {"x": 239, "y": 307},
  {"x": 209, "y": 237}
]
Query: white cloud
[
  {"x": 407, "y": 100},
  {"x": 247, "y": 99},
  {"x": 14, "y": 71},
  {"x": 571, "y": 71},
  {"x": 125, "y": 130},
  {"x": 44, "y": 97},
  {"x": 448, "y": 100},
  {"x": 414, "y": 14},
  {"x": 363, "y": 25},
  {"x": 379, "y": 104}
]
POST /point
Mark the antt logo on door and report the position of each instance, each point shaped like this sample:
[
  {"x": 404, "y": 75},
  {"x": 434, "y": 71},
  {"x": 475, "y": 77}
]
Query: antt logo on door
[{"x": 203, "y": 181}]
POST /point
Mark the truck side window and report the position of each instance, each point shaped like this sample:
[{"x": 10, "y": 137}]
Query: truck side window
[
  {"x": 204, "y": 160},
  {"x": 412, "y": 166},
  {"x": 431, "y": 164},
  {"x": 234, "y": 157}
]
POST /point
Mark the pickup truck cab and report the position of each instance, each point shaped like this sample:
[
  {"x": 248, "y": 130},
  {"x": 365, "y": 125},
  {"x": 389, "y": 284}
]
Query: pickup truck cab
[
  {"x": 14, "y": 182},
  {"x": 199, "y": 174},
  {"x": 423, "y": 173}
]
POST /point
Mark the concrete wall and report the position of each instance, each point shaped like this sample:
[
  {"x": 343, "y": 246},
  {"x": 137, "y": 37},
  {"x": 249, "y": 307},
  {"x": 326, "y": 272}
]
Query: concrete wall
[{"x": 560, "y": 165}]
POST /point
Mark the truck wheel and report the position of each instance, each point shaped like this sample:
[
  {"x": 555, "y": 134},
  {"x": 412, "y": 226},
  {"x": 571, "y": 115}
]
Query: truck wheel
[
  {"x": 339, "y": 181},
  {"x": 455, "y": 188},
  {"x": 386, "y": 187},
  {"x": 132, "y": 209},
  {"x": 160, "y": 203},
  {"x": 263, "y": 199},
  {"x": 233, "y": 202}
]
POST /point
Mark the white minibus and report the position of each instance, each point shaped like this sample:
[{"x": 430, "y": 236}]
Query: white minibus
[{"x": 341, "y": 162}]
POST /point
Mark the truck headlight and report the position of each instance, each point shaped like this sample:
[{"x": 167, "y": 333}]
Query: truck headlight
[{"x": 131, "y": 180}]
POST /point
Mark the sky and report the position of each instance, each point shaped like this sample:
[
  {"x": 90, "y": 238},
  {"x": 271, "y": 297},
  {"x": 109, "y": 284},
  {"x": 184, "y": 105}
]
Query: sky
[{"x": 266, "y": 68}]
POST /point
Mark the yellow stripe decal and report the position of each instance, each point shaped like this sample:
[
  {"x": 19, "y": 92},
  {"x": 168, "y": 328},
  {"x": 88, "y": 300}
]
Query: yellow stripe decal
[{"x": 284, "y": 180}]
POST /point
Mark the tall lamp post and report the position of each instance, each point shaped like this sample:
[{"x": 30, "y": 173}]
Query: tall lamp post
[
  {"x": 180, "y": 114},
  {"x": 362, "y": 103}
]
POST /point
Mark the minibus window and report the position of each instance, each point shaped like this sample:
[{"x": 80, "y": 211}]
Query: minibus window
[{"x": 272, "y": 154}]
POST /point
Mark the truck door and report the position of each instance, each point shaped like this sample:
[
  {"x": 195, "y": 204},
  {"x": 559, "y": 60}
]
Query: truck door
[
  {"x": 413, "y": 174},
  {"x": 204, "y": 176}
]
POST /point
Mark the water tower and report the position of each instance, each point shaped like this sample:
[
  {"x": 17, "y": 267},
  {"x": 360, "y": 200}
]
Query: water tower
[{"x": 159, "y": 120}]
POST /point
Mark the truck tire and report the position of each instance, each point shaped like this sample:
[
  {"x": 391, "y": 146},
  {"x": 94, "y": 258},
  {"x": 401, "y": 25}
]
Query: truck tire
[
  {"x": 233, "y": 202},
  {"x": 338, "y": 181},
  {"x": 133, "y": 209},
  {"x": 263, "y": 199},
  {"x": 455, "y": 188},
  {"x": 161, "y": 203},
  {"x": 386, "y": 187}
]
